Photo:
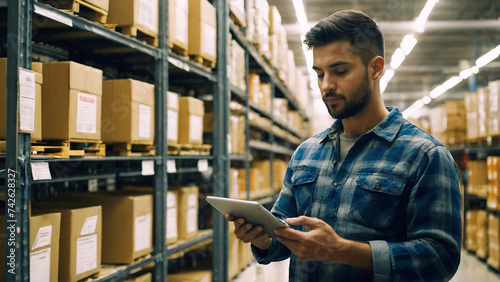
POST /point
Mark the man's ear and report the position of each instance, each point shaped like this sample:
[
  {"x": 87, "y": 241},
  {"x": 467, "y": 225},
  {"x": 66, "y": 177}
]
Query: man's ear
[{"x": 376, "y": 67}]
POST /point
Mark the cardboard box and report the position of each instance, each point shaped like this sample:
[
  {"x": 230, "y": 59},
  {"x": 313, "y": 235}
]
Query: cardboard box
[
  {"x": 127, "y": 223},
  {"x": 202, "y": 30},
  {"x": 236, "y": 134},
  {"x": 128, "y": 111},
  {"x": 146, "y": 277},
  {"x": 178, "y": 12},
  {"x": 477, "y": 183},
  {"x": 191, "y": 111},
  {"x": 237, "y": 9},
  {"x": 279, "y": 170},
  {"x": 71, "y": 109},
  {"x": 80, "y": 240},
  {"x": 142, "y": 14},
  {"x": 191, "y": 276},
  {"x": 36, "y": 135},
  {"x": 171, "y": 212},
  {"x": 187, "y": 218},
  {"x": 172, "y": 117},
  {"x": 471, "y": 241},
  {"x": 234, "y": 245},
  {"x": 481, "y": 234},
  {"x": 43, "y": 246},
  {"x": 274, "y": 19},
  {"x": 494, "y": 108}
]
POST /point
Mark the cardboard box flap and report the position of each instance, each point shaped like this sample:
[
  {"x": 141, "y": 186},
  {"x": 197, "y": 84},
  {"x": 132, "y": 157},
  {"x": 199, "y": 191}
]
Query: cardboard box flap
[{"x": 192, "y": 105}]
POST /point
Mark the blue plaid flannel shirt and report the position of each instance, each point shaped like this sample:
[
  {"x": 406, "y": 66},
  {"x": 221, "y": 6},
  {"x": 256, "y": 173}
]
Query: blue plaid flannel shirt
[{"x": 397, "y": 189}]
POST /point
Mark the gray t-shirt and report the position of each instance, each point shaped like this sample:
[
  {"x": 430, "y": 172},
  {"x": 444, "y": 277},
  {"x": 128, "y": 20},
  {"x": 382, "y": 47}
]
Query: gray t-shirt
[{"x": 346, "y": 142}]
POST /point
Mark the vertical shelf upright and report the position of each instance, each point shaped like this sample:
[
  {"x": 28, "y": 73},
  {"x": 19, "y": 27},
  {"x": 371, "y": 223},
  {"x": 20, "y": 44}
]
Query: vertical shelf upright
[
  {"x": 17, "y": 159},
  {"x": 221, "y": 160}
]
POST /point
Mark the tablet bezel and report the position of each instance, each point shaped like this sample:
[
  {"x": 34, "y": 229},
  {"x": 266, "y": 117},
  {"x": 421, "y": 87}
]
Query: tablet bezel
[{"x": 252, "y": 211}]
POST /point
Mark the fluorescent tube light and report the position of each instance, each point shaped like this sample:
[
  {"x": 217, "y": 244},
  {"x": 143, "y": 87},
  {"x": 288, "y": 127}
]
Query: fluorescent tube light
[
  {"x": 464, "y": 74},
  {"x": 397, "y": 58},
  {"x": 426, "y": 11},
  {"x": 426, "y": 100},
  {"x": 438, "y": 91},
  {"x": 452, "y": 82},
  {"x": 409, "y": 41},
  {"x": 301, "y": 15},
  {"x": 488, "y": 57}
]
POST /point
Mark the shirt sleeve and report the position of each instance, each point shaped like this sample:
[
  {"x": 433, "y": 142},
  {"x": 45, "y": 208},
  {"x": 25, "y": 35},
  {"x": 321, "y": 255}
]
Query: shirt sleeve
[{"x": 434, "y": 225}]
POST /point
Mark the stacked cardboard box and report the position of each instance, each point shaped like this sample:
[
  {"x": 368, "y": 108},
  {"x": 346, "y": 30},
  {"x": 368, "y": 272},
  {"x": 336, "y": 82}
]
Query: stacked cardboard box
[
  {"x": 279, "y": 170},
  {"x": 470, "y": 230},
  {"x": 237, "y": 9},
  {"x": 191, "y": 276},
  {"x": 472, "y": 116},
  {"x": 448, "y": 122},
  {"x": 202, "y": 30},
  {"x": 494, "y": 241},
  {"x": 236, "y": 134},
  {"x": 33, "y": 104},
  {"x": 127, "y": 228},
  {"x": 481, "y": 234},
  {"x": 482, "y": 109},
  {"x": 187, "y": 216},
  {"x": 172, "y": 117},
  {"x": 178, "y": 14},
  {"x": 128, "y": 111},
  {"x": 258, "y": 15},
  {"x": 139, "y": 14},
  {"x": 260, "y": 178},
  {"x": 493, "y": 167},
  {"x": 76, "y": 92},
  {"x": 43, "y": 246},
  {"x": 274, "y": 34},
  {"x": 280, "y": 109},
  {"x": 493, "y": 115},
  {"x": 191, "y": 112},
  {"x": 80, "y": 240},
  {"x": 477, "y": 183},
  {"x": 234, "y": 245},
  {"x": 237, "y": 65}
]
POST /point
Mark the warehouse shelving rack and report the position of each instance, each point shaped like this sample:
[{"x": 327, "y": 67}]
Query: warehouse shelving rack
[{"x": 20, "y": 48}]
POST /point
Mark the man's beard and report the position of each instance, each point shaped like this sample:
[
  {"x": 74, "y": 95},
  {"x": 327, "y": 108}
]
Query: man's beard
[{"x": 359, "y": 98}]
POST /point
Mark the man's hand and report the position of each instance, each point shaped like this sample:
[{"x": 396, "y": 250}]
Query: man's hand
[
  {"x": 250, "y": 234},
  {"x": 322, "y": 243}
]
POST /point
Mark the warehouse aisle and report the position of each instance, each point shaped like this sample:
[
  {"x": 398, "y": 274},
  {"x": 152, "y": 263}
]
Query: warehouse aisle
[{"x": 472, "y": 269}]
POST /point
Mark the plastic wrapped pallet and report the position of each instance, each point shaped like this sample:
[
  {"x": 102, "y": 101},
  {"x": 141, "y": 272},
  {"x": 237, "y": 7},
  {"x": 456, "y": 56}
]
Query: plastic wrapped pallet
[
  {"x": 494, "y": 241},
  {"x": 472, "y": 116},
  {"x": 471, "y": 241},
  {"x": 481, "y": 234},
  {"x": 493, "y": 114},
  {"x": 482, "y": 109}
]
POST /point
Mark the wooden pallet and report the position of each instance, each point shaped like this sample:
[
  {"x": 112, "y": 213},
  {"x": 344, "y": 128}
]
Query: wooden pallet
[
  {"x": 69, "y": 148},
  {"x": 132, "y": 149},
  {"x": 188, "y": 149},
  {"x": 179, "y": 50},
  {"x": 201, "y": 60},
  {"x": 82, "y": 8},
  {"x": 139, "y": 33}
]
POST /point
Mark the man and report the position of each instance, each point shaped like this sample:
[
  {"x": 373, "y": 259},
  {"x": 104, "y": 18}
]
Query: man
[{"x": 373, "y": 197}]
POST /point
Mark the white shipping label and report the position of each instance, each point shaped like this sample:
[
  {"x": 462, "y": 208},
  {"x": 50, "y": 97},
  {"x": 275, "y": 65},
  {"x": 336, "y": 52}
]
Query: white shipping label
[
  {"x": 192, "y": 220},
  {"x": 195, "y": 128},
  {"x": 202, "y": 165},
  {"x": 181, "y": 26},
  {"x": 86, "y": 113},
  {"x": 192, "y": 200},
  {"x": 40, "y": 171},
  {"x": 148, "y": 14},
  {"x": 142, "y": 232},
  {"x": 26, "y": 83},
  {"x": 86, "y": 254},
  {"x": 144, "y": 121},
  {"x": 173, "y": 100},
  {"x": 43, "y": 237},
  {"x": 26, "y": 114},
  {"x": 89, "y": 225},
  {"x": 171, "y": 200},
  {"x": 209, "y": 40},
  {"x": 172, "y": 125},
  {"x": 40, "y": 266},
  {"x": 171, "y": 166},
  {"x": 148, "y": 168},
  {"x": 171, "y": 223}
]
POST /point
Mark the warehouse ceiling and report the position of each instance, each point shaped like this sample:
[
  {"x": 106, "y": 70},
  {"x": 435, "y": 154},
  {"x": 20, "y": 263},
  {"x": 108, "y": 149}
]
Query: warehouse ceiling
[{"x": 457, "y": 32}]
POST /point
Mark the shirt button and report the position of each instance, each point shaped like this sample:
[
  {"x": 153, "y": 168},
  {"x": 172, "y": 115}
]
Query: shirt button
[
  {"x": 332, "y": 215},
  {"x": 377, "y": 187},
  {"x": 335, "y": 184}
]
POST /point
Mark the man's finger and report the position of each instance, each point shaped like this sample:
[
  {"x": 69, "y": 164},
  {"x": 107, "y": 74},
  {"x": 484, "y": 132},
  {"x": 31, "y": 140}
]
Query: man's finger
[{"x": 303, "y": 220}]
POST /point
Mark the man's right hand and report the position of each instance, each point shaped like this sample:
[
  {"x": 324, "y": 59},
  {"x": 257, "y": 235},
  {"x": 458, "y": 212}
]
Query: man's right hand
[{"x": 250, "y": 234}]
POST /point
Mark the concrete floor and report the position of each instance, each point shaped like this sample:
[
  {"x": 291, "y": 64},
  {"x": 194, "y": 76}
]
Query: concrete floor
[{"x": 473, "y": 269}]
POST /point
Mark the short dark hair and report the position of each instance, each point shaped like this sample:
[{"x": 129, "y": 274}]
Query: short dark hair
[{"x": 359, "y": 29}]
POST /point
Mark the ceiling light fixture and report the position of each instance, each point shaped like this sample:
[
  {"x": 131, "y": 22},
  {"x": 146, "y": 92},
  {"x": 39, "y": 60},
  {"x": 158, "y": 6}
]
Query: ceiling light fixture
[
  {"x": 409, "y": 41},
  {"x": 455, "y": 80},
  {"x": 397, "y": 58},
  {"x": 426, "y": 11}
]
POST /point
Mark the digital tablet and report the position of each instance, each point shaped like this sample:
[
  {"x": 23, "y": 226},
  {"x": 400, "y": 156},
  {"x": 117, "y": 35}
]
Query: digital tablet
[{"x": 251, "y": 211}]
